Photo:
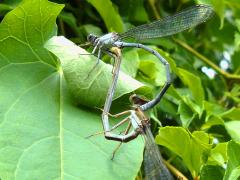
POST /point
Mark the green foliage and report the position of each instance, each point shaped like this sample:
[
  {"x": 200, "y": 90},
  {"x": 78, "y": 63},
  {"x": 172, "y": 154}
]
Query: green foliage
[
  {"x": 190, "y": 147},
  {"x": 111, "y": 18},
  {"x": 48, "y": 102},
  {"x": 233, "y": 165},
  {"x": 210, "y": 172}
]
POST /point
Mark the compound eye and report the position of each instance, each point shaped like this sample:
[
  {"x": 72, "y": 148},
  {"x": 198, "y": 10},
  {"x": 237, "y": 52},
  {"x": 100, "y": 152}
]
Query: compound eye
[
  {"x": 91, "y": 37},
  {"x": 115, "y": 36}
]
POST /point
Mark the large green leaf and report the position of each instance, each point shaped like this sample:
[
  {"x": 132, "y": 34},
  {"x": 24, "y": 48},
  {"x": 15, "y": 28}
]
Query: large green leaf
[
  {"x": 212, "y": 109},
  {"x": 190, "y": 147},
  {"x": 76, "y": 67},
  {"x": 42, "y": 131}
]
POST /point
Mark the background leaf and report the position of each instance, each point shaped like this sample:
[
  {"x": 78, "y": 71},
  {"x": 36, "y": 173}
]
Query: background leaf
[
  {"x": 210, "y": 172},
  {"x": 194, "y": 84},
  {"x": 110, "y": 17},
  {"x": 233, "y": 129},
  {"x": 192, "y": 149},
  {"x": 233, "y": 160},
  {"x": 218, "y": 155}
]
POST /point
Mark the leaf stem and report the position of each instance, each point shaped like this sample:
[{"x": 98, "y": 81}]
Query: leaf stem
[
  {"x": 152, "y": 4},
  {"x": 175, "y": 171},
  {"x": 207, "y": 61},
  {"x": 62, "y": 26}
]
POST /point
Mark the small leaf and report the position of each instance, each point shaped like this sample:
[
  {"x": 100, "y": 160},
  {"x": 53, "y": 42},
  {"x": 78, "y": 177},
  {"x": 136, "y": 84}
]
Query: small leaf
[
  {"x": 130, "y": 62},
  {"x": 173, "y": 66},
  {"x": 194, "y": 84},
  {"x": 219, "y": 7},
  {"x": 210, "y": 172},
  {"x": 237, "y": 41},
  {"x": 137, "y": 12},
  {"x": 70, "y": 20},
  {"x": 232, "y": 114},
  {"x": 238, "y": 24},
  {"x": 151, "y": 70},
  {"x": 109, "y": 14},
  {"x": 213, "y": 121},
  {"x": 186, "y": 114},
  {"x": 168, "y": 107},
  {"x": 234, "y": 94},
  {"x": 175, "y": 95},
  {"x": 218, "y": 155},
  {"x": 193, "y": 106},
  {"x": 232, "y": 128},
  {"x": 235, "y": 174},
  {"x": 233, "y": 151}
]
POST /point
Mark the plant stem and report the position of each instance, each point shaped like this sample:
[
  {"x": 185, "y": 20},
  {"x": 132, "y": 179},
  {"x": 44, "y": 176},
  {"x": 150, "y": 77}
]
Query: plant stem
[
  {"x": 62, "y": 26},
  {"x": 207, "y": 61},
  {"x": 152, "y": 4},
  {"x": 175, "y": 171}
]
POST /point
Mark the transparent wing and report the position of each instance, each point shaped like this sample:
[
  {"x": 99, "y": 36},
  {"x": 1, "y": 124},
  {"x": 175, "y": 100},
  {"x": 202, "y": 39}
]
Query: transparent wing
[
  {"x": 170, "y": 25},
  {"x": 153, "y": 163}
]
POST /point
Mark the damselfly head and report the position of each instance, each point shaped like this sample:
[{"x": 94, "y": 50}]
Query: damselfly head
[
  {"x": 91, "y": 38},
  {"x": 137, "y": 100}
]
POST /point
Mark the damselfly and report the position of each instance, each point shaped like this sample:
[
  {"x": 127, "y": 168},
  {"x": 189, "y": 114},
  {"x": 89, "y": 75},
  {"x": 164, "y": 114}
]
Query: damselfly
[{"x": 167, "y": 26}]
